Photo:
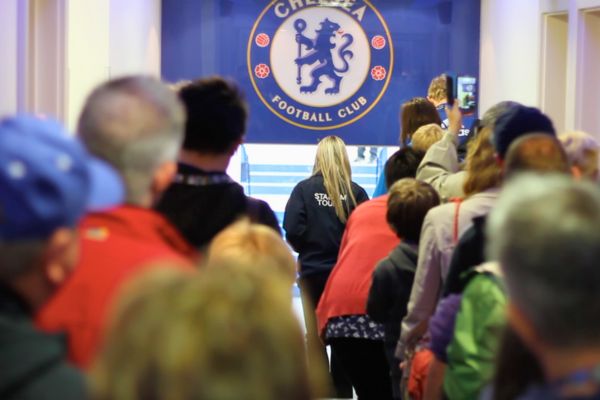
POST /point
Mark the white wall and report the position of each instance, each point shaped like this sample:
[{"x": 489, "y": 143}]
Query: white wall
[
  {"x": 8, "y": 55},
  {"x": 510, "y": 51},
  {"x": 135, "y": 37},
  {"x": 555, "y": 47},
  {"x": 511, "y": 57},
  {"x": 587, "y": 114},
  {"x": 108, "y": 39},
  {"x": 44, "y": 69},
  {"x": 54, "y": 52},
  {"x": 87, "y": 52}
]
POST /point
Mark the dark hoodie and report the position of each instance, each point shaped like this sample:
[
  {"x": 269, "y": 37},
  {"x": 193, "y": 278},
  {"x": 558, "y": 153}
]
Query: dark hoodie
[
  {"x": 312, "y": 226},
  {"x": 32, "y": 364},
  {"x": 390, "y": 291}
]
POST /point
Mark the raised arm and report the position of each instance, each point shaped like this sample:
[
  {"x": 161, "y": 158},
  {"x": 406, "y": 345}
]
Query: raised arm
[{"x": 440, "y": 167}]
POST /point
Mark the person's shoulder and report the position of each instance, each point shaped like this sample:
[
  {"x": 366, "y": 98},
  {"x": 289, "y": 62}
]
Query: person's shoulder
[
  {"x": 60, "y": 382},
  {"x": 404, "y": 259},
  {"x": 441, "y": 212},
  {"x": 39, "y": 364},
  {"x": 137, "y": 234},
  {"x": 367, "y": 208},
  {"x": 391, "y": 270},
  {"x": 309, "y": 183},
  {"x": 376, "y": 202},
  {"x": 439, "y": 222},
  {"x": 407, "y": 251},
  {"x": 258, "y": 202},
  {"x": 359, "y": 191},
  {"x": 356, "y": 186},
  {"x": 261, "y": 212},
  {"x": 487, "y": 288},
  {"x": 316, "y": 180},
  {"x": 384, "y": 267}
]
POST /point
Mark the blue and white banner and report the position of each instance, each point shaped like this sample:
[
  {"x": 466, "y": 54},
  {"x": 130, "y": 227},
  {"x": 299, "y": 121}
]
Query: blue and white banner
[{"x": 312, "y": 68}]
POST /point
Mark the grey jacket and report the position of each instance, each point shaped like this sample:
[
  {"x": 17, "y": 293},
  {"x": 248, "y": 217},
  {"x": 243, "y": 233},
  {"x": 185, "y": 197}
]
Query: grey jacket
[
  {"x": 439, "y": 235},
  {"x": 440, "y": 168}
]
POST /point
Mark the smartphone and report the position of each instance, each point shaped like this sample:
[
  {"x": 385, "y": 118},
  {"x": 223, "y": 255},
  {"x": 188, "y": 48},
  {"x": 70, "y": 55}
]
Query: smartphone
[
  {"x": 450, "y": 93},
  {"x": 466, "y": 93}
]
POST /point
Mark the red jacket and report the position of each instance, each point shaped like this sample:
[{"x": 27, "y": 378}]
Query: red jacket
[
  {"x": 114, "y": 246},
  {"x": 367, "y": 239}
]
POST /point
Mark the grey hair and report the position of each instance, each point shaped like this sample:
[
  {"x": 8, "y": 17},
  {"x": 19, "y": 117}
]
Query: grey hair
[
  {"x": 494, "y": 112},
  {"x": 17, "y": 258},
  {"x": 136, "y": 124},
  {"x": 544, "y": 231},
  {"x": 577, "y": 144}
]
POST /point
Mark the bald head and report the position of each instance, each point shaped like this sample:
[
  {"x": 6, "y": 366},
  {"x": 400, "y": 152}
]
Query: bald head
[{"x": 537, "y": 152}]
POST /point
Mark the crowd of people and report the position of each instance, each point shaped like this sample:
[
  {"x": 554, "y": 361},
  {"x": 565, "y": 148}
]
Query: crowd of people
[{"x": 133, "y": 267}]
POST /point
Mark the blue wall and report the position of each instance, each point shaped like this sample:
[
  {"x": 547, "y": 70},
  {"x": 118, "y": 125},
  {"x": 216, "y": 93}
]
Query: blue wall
[{"x": 208, "y": 37}]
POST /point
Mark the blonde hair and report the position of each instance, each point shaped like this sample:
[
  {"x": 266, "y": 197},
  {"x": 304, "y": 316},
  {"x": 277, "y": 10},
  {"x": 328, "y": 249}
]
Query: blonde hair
[
  {"x": 227, "y": 333},
  {"x": 437, "y": 88},
  {"x": 483, "y": 171},
  {"x": 425, "y": 136},
  {"x": 253, "y": 244},
  {"x": 332, "y": 162}
]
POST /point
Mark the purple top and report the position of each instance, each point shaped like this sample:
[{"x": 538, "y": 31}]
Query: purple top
[{"x": 441, "y": 325}]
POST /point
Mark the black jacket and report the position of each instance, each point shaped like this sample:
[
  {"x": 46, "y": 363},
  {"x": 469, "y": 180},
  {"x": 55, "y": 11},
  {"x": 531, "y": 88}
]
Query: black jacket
[
  {"x": 32, "y": 364},
  {"x": 200, "y": 204},
  {"x": 312, "y": 226},
  {"x": 390, "y": 291}
]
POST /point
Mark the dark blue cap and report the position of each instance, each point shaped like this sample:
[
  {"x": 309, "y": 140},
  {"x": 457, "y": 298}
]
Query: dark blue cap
[
  {"x": 48, "y": 180},
  {"x": 519, "y": 121}
]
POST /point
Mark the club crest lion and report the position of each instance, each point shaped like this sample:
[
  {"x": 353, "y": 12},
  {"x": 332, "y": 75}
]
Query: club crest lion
[{"x": 321, "y": 50}]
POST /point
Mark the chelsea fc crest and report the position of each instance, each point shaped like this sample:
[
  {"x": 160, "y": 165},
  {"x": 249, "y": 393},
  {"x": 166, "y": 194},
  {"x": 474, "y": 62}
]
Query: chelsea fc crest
[{"x": 320, "y": 64}]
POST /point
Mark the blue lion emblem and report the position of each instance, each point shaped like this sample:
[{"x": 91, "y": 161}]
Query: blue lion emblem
[{"x": 322, "y": 51}]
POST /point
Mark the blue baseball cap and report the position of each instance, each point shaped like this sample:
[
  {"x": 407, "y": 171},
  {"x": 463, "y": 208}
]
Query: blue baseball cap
[{"x": 48, "y": 180}]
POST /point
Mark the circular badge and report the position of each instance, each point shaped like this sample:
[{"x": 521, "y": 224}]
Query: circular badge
[
  {"x": 320, "y": 64},
  {"x": 262, "y": 40},
  {"x": 378, "y": 42}
]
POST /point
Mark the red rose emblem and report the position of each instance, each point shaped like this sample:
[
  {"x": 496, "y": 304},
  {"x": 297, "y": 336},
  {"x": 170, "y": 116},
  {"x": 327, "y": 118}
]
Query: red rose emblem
[
  {"x": 262, "y": 71},
  {"x": 378, "y": 73}
]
